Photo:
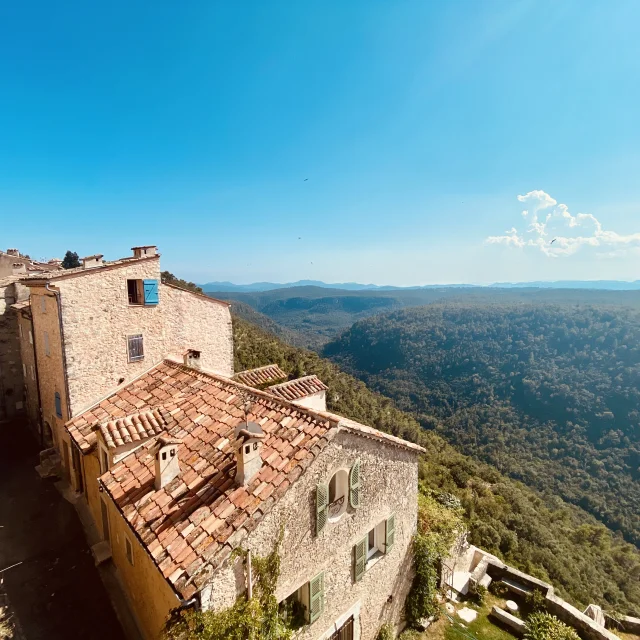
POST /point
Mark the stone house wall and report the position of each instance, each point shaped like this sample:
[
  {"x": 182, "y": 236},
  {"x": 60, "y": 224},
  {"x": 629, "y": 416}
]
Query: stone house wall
[
  {"x": 11, "y": 373},
  {"x": 32, "y": 405},
  {"x": 45, "y": 318},
  {"x": 195, "y": 321},
  {"x": 150, "y": 596},
  {"x": 389, "y": 486},
  {"x": 315, "y": 402},
  {"x": 97, "y": 320}
]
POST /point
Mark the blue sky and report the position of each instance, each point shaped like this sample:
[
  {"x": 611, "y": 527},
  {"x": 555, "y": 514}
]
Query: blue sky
[{"x": 366, "y": 140}]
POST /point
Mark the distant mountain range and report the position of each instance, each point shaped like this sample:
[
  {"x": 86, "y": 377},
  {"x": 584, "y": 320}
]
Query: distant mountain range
[{"x": 610, "y": 285}]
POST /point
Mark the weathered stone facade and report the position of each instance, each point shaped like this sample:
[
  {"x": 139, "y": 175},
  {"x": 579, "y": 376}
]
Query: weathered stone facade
[
  {"x": 11, "y": 370},
  {"x": 97, "y": 320},
  {"x": 32, "y": 402},
  {"x": 389, "y": 486}
]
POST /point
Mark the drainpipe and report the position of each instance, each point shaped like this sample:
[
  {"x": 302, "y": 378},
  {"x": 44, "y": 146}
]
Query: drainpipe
[{"x": 56, "y": 293}]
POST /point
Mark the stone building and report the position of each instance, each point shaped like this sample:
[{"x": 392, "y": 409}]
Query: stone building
[
  {"x": 104, "y": 323},
  {"x": 13, "y": 370},
  {"x": 180, "y": 461},
  {"x": 188, "y": 465}
]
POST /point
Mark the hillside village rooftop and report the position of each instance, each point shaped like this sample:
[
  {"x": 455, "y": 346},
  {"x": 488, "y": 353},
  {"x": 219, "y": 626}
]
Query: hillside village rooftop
[{"x": 190, "y": 526}]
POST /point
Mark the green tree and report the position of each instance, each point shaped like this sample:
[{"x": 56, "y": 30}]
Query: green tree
[{"x": 70, "y": 260}]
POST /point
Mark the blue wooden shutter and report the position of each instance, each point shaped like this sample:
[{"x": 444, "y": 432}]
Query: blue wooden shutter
[
  {"x": 150, "y": 291},
  {"x": 58, "y": 405}
]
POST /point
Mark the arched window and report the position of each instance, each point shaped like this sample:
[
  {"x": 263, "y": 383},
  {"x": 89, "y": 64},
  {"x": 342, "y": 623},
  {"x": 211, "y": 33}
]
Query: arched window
[{"x": 338, "y": 494}]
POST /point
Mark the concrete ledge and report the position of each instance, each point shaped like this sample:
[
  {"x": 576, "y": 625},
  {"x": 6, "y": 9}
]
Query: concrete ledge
[{"x": 509, "y": 620}]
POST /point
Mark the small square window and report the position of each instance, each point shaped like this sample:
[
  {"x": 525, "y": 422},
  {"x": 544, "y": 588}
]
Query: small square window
[
  {"x": 136, "y": 348},
  {"x": 135, "y": 292},
  {"x": 128, "y": 550}
]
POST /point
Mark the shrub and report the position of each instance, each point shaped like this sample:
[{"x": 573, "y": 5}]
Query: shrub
[
  {"x": 386, "y": 632},
  {"x": 410, "y": 634},
  {"x": 536, "y": 601},
  {"x": 544, "y": 626},
  {"x": 498, "y": 588},
  {"x": 479, "y": 593}
]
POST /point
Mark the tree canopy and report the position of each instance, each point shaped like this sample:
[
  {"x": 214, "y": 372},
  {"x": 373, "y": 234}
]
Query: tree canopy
[
  {"x": 70, "y": 260},
  {"x": 535, "y": 531}
]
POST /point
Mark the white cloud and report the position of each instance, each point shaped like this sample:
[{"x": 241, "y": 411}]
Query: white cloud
[{"x": 556, "y": 232}]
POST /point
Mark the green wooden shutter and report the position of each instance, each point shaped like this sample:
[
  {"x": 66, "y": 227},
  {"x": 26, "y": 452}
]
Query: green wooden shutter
[
  {"x": 390, "y": 531},
  {"x": 316, "y": 597},
  {"x": 359, "y": 559},
  {"x": 150, "y": 292},
  {"x": 322, "y": 507},
  {"x": 354, "y": 485}
]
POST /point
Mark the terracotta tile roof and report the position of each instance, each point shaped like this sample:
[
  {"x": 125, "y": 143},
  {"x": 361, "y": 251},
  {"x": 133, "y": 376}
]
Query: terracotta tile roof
[
  {"x": 201, "y": 515},
  {"x": 59, "y": 273},
  {"x": 192, "y": 525},
  {"x": 135, "y": 428},
  {"x": 300, "y": 388},
  {"x": 260, "y": 376}
]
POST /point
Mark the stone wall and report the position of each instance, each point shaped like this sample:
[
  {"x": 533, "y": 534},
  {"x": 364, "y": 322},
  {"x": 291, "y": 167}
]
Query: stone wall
[
  {"x": 32, "y": 405},
  {"x": 98, "y": 319},
  {"x": 194, "y": 321},
  {"x": 389, "y": 486},
  {"x": 50, "y": 366},
  {"x": 11, "y": 372},
  {"x": 151, "y": 597}
]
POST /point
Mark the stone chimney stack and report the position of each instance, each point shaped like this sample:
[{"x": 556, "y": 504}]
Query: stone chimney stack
[
  {"x": 90, "y": 262},
  {"x": 144, "y": 252},
  {"x": 18, "y": 268},
  {"x": 192, "y": 358},
  {"x": 167, "y": 465},
  {"x": 248, "y": 448},
  {"x": 13, "y": 252}
]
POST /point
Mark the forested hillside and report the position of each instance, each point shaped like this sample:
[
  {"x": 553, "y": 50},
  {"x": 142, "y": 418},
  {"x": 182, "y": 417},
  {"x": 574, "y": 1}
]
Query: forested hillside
[
  {"x": 548, "y": 395},
  {"x": 317, "y": 315},
  {"x": 535, "y": 532}
]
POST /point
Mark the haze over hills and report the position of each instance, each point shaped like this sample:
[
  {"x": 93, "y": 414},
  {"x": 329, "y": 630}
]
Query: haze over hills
[
  {"x": 318, "y": 314},
  {"x": 230, "y": 287}
]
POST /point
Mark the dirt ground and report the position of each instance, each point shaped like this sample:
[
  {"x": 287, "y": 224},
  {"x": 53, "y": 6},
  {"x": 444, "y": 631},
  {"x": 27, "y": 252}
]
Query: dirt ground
[{"x": 56, "y": 592}]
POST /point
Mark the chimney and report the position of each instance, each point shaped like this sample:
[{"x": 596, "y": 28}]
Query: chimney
[
  {"x": 13, "y": 252},
  {"x": 19, "y": 267},
  {"x": 90, "y": 262},
  {"x": 248, "y": 448},
  {"x": 167, "y": 465},
  {"x": 144, "y": 252},
  {"x": 192, "y": 358}
]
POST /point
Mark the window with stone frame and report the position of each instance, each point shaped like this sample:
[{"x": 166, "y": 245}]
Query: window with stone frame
[{"x": 135, "y": 347}]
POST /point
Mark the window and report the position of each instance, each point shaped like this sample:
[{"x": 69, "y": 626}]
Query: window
[
  {"x": 306, "y": 604},
  {"x": 128, "y": 548},
  {"x": 58, "y": 401},
  {"x": 134, "y": 291},
  {"x": 136, "y": 349},
  {"x": 104, "y": 460},
  {"x": 378, "y": 542},
  {"x": 338, "y": 490},
  {"x": 142, "y": 292},
  {"x": 47, "y": 350}
]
